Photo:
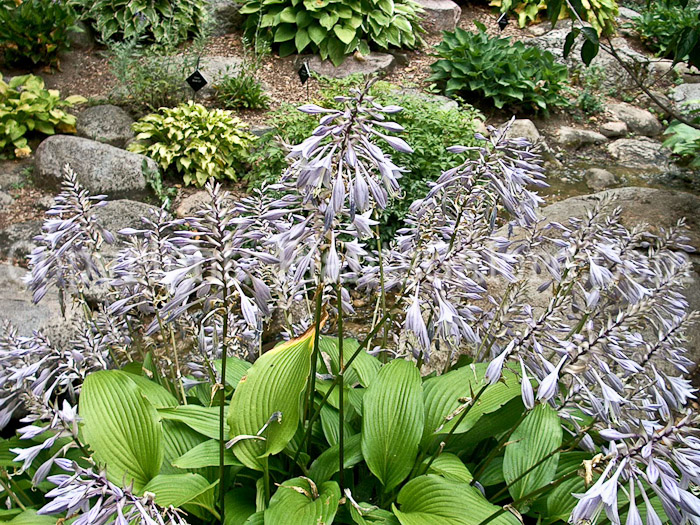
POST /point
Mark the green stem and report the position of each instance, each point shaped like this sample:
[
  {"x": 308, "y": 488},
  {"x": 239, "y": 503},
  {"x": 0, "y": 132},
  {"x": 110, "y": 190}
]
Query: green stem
[
  {"x": 311, "y": 388},
  {"x": 10, "y": 492},
  {"x": 222, "y": 404},
  {"x": 382, "y": 290},
  {"x": 341, "y": 386}
]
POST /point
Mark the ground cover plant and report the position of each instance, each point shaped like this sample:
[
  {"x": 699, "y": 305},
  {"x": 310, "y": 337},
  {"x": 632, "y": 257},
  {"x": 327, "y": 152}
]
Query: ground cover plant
[
  {"x": 171, "y": 407},
  {"x": 684, "y": 140},
  {"x": 194, "y": 142},
  {"x": 431, "y": 126},
  {"x": 334, "y": 28},
  {"x": 27, "y": 109},
  {"x": 499, "y": 70},
  {"x": 34, "y": 32},
  {"x": 671, "y": 29}
]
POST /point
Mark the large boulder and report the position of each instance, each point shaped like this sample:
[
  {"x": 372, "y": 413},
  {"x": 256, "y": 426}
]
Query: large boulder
[
  {"x": 440, "y": 15},
  {"x": 638, "y": 120},
  {"x": 686, "y": 97},
  {"x": 577, "y": 138},
  {"x": 643, "y": 153},
  {"x": 524, "y": 128},
  {"x": 598, "y": 179},
  {"x": 17, "y": 240},
  {"x": 106, "y": 123},
  {"x": 225, "y": 16},
  {"x": 101, "y": 168},
  {"x": 614, "y": 129},
  {"x": 374, "y": 63}
]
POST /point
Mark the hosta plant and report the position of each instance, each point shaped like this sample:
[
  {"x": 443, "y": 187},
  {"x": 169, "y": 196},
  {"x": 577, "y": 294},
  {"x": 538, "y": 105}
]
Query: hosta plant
[
  {"x": 27, "y": 109},
  {"x": 684, "y": 140},
  {"x": 498, "y": 69},
  {"x": 34, "y": 32},
  {"x": 194, "y": 142},
  {"x": 335, "y": 28},
  {"x": 165, "y": 22},
  {"x": 468, "y": 398}
]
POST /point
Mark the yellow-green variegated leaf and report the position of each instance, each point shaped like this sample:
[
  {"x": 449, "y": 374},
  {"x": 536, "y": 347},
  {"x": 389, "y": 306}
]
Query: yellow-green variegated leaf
[{"x": 272, "y": 387}]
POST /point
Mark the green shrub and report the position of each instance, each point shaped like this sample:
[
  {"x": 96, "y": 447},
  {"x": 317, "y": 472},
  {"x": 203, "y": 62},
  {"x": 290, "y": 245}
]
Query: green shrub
[
  {"x": 335, "y": 28},
  {"x": 149, "y": 79},
  {"x": 34, "y": 32},
  {"x": 432, "y": 129},
  {"x": 498, "y": 69},
  {"x": 166, "y": 22},
  {"x": 194, "y": 142},
  {"x": 241, "y": 90},
  {"x": 663, "y": 24},
  {"x": 590, "y": 79},
  {"x": 684, "y": 140},
  {"x": 26, "y": 108}
]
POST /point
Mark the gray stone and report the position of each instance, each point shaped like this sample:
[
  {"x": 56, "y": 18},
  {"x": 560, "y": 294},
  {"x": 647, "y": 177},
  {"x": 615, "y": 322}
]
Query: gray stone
[
  {"x": 638, "y": 120},
  {"x": 259, "y": 131},
  {"x": 194, "y": 202},
  {"x": 446, "y": 104},
  {"x": 17, "y": 240},
  {"x": 5, "y": 200},
  {"x": 101, "y": 168},
  {"x": 82, "y": 38},
  {"x": 684, "y": 94},
  {"x": 214, "y": 68},
  {"x": 598, "y": 179},
  {"x": 576, "y": 138},
  {"x": 13, "y": 173},
  {"x": 614, "y": 129},
  {"x": 625, "y": 14},
  {"x": 373, "y": 63},
  {"x": 107, "y": 123},
  {"x": 640, "y": 153},
  {"x": 524, "y": 128},
  {"x": 225, "y": 16},
  {"x": 123, "y": 213},
  {"x": 440, "y": 15},
  {"x": 662, "y": 66}
]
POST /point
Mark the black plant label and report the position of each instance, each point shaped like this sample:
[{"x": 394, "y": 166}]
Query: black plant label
[
  {"x": 196, "y": 80},
  {"x": 503, "y": 21},
  {"x": 304, "y": 73}
]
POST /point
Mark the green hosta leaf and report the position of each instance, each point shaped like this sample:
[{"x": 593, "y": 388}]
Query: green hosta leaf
[
  {"x": 317, "y": 33},
  {"x": 362, "y": 370},
  {"x": 240, "y": 505},
  {"x": 302, "y": 39},
  {"x": 182, "y": 489},
  {"x": 450, "y": 467},
  {"x": 392, "y": 422},
  {"x": 121, "y": 427},
  {"x": 344, "y": 33},
  {"x": 178, "y": 438},
  {"x": 205, "y": 454},
  {"x": 204, "y": 420},
  {"x": 441, "y": 397},
  {"x": 432, "y": 500},
  {"x": 158, "y": 396},
  {"x": 30, "y": 517},
  {"x": 285, "y": 32},
  {"x": 539, "y": 434},
  {"x": 313, "y": 505},
  {"x": 558, "y": 503},
  {"x": 274, "y": 384},
  {"x": 325, "y": 465},
  {"x": 235, "y": 369}
]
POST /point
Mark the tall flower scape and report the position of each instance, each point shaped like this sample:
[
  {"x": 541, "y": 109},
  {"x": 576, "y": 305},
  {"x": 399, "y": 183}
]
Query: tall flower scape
[{"x": 507, "y": 369}]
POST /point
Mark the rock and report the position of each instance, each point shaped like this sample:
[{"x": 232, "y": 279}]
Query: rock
[
  {"x": 82, "y": 37},
  {"x": 524, "y": 128},
  {"x": 638, "y": 120},
  {"x": 662, "y": 66},
  {"x": 13, "y": 173},
  {"x": 446, "y": 104},
  {"x": 598, "y": 179},
  {"x": 685, "y": 93},
  {"x": 101, "y": 168},
  {"x": 5, "y": 200},
  {"x": 480, "y": 127},
  {"x": 261, "y": 130},
  {"x": 614, "y": 76},
  {"x": 640, "y": 153},
  {"x": 108, "y": 124},
  {"x": 225, "y": 16},
  {"x": 576, "y": 138},
  {"x": 625, "y": 14},
  {"x": 614, "y": 129},
  {"x": 374, "y": 63},
  {"x": 440, "y": 15},
  {"x": 214, "y": 68},
  {"x": 190, "y": 205},
  {"x": 123, "y": 213},
  {"x": 16, "y": 241}
]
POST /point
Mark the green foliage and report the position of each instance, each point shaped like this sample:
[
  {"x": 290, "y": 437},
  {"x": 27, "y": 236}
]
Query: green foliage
[
  {"x": 498, "y": 69},
  {"x": 671, "y": 30},
  {"x": 241, "y": 90},
  {"x": 431, "y": 126},
  {"x": 590, "y": 80},
  {"x": 27, "y": 108},
  {"x": 599, "y": 13},
  {"x": 165, "y": 22},
  {"x": 34, "y": 32},
  {"x": 684, "y": 140},
  {"x": 194, "y": 142},
  {"x": 149, "y": 79},
  {"x": 335, "y": 28}
]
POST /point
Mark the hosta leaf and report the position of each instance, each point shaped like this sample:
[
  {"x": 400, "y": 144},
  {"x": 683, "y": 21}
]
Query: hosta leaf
[
  {"x": 316, "y": 33},
  {"x": 432, "y": 500},
  {"x": 205, "y": 454},
  {"x": 285, "y": 32},
  {"x": 450, "y": 467},
  {"x": 240, "y": 505},
  {"x": 344, "y": 33},
  {"x": 235, "y": 369},
  {"x": 30, "y": 517},
  {"x": 362, "y": 370},
  {"x": 178, "y": 438},
  {"x": 325, "y": 465},
  {"x": 303, "y": 507},
  {"x": 204, "y": 420},
  {"x": 158, "y": 396},
  {"x": 274, "y": 385},
  {"x": 182, "y": 489},
  {"x": 121, "y": 427},
  {"x": 539, "y": 434},
  {"x": 392, "y": 422}
]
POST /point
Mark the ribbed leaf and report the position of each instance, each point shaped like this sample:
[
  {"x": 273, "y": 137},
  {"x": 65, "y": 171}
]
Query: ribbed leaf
[
  {"x": 293, "y": 507},
  {"x": 274, "y": 384},
  {"x": 441, "y": 397},
  {"x": 450, "y": 467},
  {"x": 558, "y": 503},
  {"x": 158, "y": 396},
  {"x": 235, "y": 369},
  {"x": 539, "y": 434},
  {"x": 205, "y": 455},
  {"x": 121, "y": 427},
  {"x": 392, "y": 422},
  {"x": 183, "y": 489},
  {"x": 362, "y": 370},
  {"x": 178, "y": 438},
  {"x": 325, "y": 465},
  {"x": 30, "y": 517},
  {"x": 240, "y": 505},
  {"x": 432, "y": 500},
  {"x": 204, "y": 420}
]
